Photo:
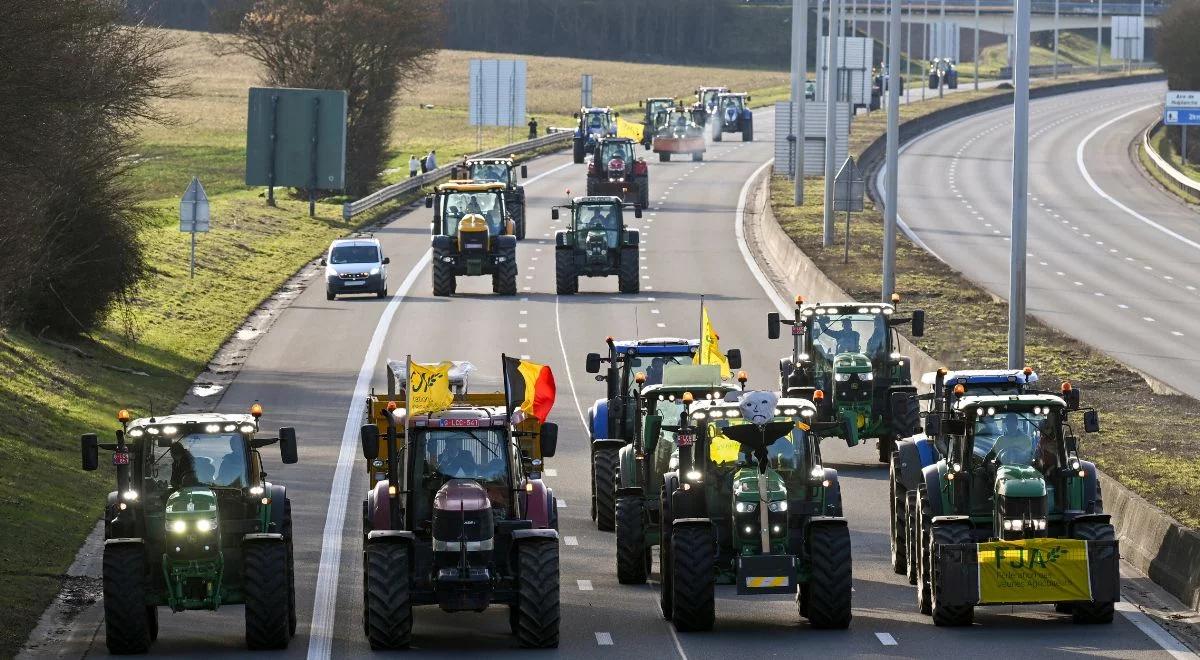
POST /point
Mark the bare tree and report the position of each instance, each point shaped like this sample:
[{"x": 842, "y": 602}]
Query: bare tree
[
  {"x": 370, "y": 48},
  {"x": 1178, "y": 34}
]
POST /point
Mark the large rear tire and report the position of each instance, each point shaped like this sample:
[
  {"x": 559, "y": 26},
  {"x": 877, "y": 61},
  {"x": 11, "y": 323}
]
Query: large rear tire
[
  {"x": 1089, "y": 612},
  {"x": 631, "y": 540},
  {"x": 291, "y": 566},
  {"x": 832, "y": 579},
  {"x": 693, "y": 580},
  {"x": 504, "y": 280},
  {"x": 127, "y": 624},
  {"x": 627, "y": 272},
  {"x": 924, "y": 598},
  {"x": 265, "y": 586},
  {"x": 566, "y": 280},
  {"x": 577, "y": 150},
  {"x": 748, "y": 131},
  {"x": 389, "y": 604},
  {"x": 910, "y": 535},
  {"x": 665, "y": 601},
  {"x": 537, "y": 593},
  {"x": 443, "y": 275},
  {"x": 697, "y": 156},
  {"x": 948, "y": 615},
  {"x": 898, "y": 495},
  {"x": 604, "y": 462}
]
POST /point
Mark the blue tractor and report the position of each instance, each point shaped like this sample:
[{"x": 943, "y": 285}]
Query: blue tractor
[
  {"x": 594, "y": 123},
  {"x": 913, "y": 454},
  {"x": 612, "y": 420},
  {"x": 732, "y": 115}
]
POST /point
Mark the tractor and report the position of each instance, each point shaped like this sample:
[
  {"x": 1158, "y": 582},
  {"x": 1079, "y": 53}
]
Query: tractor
[
  {"x": 499, "y": 170},
  {"x": 615, "y": 170},
  {"x": 642, "y": 462},
  {"x": 656, "y": 110},
  {"x": 680, "y": 135},
  {"x": 731, "y": 115},
  {"x": 706, "y": 102},
  {"x": 594, "y": 123},
  {"x": 194, "y": 525},
  {"x": 473, "y": 234},
  {"x": 749, "y": 503},
  {"x": 457, "y": 514},
  {"x": 864, "y": 385},
  {"x": 943, "y": 72},
  {"x": 1011, "y": 515},
  {"x": 613, "y": 420},
  {"x": 596, "y": 243},
  {"x": 915, "y": 453}
]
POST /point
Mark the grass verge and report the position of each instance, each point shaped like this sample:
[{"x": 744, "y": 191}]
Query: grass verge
[
  {"x": 1166, "y": 149},
  {"x": 1146, "y": 438}
]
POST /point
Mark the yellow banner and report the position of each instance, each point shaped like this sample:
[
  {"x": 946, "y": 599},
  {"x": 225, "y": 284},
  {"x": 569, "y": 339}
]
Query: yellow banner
[
  {"x": 710, "y": 349},
  {"x": 428, "y": 388},
  {"x": 1034, "y": 570},
  {"x": 629, "y": 129}
]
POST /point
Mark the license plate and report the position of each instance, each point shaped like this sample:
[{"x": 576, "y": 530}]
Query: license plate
[
  {"x": 685, "y": 439},
  {"x": 797, "y": 329},
  {"x": 121, "y": 458},
  {"x": 475, "y": 246},
  {"x": 355, "y": 283}
]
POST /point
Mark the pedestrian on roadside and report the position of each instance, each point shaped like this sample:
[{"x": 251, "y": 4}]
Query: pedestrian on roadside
[
  {"x": 431, "y": 160},
  {"x": 533, "y": 128},
  {"x": 424, "y": 163},
  {"x": 413, "y": 166}
]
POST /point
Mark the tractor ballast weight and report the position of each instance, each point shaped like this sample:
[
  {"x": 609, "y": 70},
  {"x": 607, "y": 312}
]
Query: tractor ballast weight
[
  {"x": 504, "y": 171},
  {"x": 596, "y": 243},
  {"x": 194, "y": 525},
  {"x": 854, "y": 373},
  {"x": 593, "y": 124},
  {"x": 457, "y": 515},
  {"x": 732, "y": 115},
  {"x": 473, "y": 235}
]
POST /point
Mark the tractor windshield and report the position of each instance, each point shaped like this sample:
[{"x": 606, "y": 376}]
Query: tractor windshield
[
  {"x": 476, "y": 453},
  {"x": 710, "y": 98},
  {"x": 489, "y": 204},
  {"x": 735, "y": 102},
  {"x": 1017, "y": 437},
  {"x": 848, "y": 333},
  {"x": 597, "y": 122},
  {"x": 490, "y": 172},
  {"x": 616, "y": 150},
  {"x": 207, "y": 459},
  {"x": 598, "y": 218},
  {"x": 785, "y": 455},
  {"x": 652, "y": 365}
]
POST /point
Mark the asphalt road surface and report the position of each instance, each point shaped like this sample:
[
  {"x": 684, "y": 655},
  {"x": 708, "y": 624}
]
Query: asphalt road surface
[
  {"x": 1112, "y": 259},
  {"x": 317, "y": 362}
]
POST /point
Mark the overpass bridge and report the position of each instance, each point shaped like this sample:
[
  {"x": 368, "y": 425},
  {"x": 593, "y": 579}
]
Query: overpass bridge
[{"x": 997, "y": 16}]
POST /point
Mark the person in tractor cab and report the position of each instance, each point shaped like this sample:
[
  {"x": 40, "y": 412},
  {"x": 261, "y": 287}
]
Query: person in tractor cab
[
  {"x": 595, "y": 123},
  {"x": 654, "y": 372},
  {"x": 847, "y": 339},
  {"x": 232, "y": 467},
  {"x": 183, "y": 467},
  {"x": 1016, "y": 445}
]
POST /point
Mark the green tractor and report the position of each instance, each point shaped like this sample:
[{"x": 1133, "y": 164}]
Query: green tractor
[
  {"x": 642, "y": 462},
  {"x": 596, "y": 242},
  {"x": 845, "y": 359},
  {"x": 1011, "y": 515},
  {"x": 195, "y": 525},
  {"x": 750, "y": 504}
]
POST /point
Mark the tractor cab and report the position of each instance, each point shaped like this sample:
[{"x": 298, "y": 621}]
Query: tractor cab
[
  {"x": 594, "y": 123},
  {"x": 503, "y": 171},
  {"x": 469, "y": 206},
  {"x": 657, "y": 110},
  {"x": 706, "y": 97}
]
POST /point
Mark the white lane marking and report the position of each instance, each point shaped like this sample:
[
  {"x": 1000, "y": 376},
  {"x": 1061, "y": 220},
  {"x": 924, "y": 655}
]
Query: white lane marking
[
  {"x": 1177, "y": 333},
  {"x": 524, "y": 357},
  {"x": 1100, "y": 191},
  {"x": 320, "y": 636},
  {"x": 523, "y": 340},
  {"x": 522, "y": 325},
  {"x": 1123, "y": 306},
  {"x": 886, "y": 639},
  {"x": 551, "y": 472},
  {"x": 604, "y": 639},
  {"x": 562, "y": 504},
  {"x": 1154, "y": 631},
  {"x": 524, "y": 312},
  {"x": 584, "y": 585},
  {"x": 662, "y": 325},
  {"x": 654, "y": 311},
  {"x": 571, "y": 540},
  {"x": 1148, "y": 319}
]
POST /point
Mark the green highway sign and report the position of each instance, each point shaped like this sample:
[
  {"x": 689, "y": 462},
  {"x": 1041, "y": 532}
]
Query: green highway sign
[{"x": 297, "y": 138}]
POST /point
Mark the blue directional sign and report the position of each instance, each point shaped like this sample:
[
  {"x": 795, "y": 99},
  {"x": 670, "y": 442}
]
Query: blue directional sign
[{"x": 1181, "y": 116}]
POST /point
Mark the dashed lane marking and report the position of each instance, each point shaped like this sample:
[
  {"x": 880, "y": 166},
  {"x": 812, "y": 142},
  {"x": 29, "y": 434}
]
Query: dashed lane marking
[
  {"x": 886, "y": 639},
  {"x": 604, "y": 639},
  {"x": 584, "y": 585}
]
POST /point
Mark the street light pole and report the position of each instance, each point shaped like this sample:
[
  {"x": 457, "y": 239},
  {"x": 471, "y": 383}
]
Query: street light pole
[
  {"x": 1020, "y": 189},
  {"x": 1142, "y": 35},
  {"x": 908, "y": 52},
  {"x": 1055, "y": 38},
  {"x": 925, "y": 48},
  {"x": 799, "y": 76},
  {"x": 1099, "y": 32},
  {"x": 831, "y": 94},
  {"x": 893, "y": 157},
  {"x": 977, "y": 44}
]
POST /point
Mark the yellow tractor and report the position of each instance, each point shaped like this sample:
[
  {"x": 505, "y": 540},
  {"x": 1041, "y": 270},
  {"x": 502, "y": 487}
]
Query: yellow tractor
[{"x": 473, "y": 234}]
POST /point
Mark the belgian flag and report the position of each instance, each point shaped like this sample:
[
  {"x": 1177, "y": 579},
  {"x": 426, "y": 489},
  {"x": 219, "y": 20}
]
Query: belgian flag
[{"x": 528, "y": 386}]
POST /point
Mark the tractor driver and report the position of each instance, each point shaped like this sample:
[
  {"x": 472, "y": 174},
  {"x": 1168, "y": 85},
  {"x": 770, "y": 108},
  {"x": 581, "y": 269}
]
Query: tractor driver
[
  {"x": 183, "y": 467},
  {"x": 1014, "y": 446},
  {"x": 847, "y": 339},
  {"x": 461, "y": 465},
  {"x": 232, "y": 468}
]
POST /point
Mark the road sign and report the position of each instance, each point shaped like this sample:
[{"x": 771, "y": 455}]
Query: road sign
[
  {"x": 854, "y": 70},
  {"x": 296, "y": 137},
  {"x": 814, "y": 143},
  {"x": 1181, "y": 116},
  {"x": 848, "y": 188},
  {"x": 1183, "y": 100},
  {"x": 585, "y": 91},
  {"x": 497, "y": 93},
  {"x": 1127, "y": 32},
  {"x": 193, "y": 208}
]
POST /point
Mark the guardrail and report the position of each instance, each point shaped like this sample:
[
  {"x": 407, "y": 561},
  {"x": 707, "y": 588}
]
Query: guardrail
[
  {"x": 387, "y": 194},
  {"x": 1191, "y": 187}
]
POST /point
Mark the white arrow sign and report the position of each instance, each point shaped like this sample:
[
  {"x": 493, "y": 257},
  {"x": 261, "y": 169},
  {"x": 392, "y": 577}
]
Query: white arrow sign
[{"x": 193, "y": 208}]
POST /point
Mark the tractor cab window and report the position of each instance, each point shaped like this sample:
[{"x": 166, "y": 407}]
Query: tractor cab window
[
  {"x": 475, "y": 453},
  {"x": 489, "y": 172},
  {"x": 710, "y": 98},
  {"x": 596, "y": 121},
  {"x": 1014, "y": 438},
  {"x": 653, "y": 365},
  {"x": 354, "y": 254},
  {"x": 457, "y": 205},
  {"x": 201, "y": 459},
  {"x": 616, "y": 150},
  {"x": 848, "y": 333},
  {"x": 595, "y": 218},
  {"x": 734, "y": 102},
  {"x": 785, "y": 455}
]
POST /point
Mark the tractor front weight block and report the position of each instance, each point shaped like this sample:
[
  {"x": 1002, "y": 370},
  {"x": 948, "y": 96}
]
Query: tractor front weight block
[{"x": 759, "y": 575}]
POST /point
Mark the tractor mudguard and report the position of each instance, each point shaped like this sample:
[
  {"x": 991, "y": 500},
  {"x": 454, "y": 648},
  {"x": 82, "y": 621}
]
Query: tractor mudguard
[
  {"x": 632, "y": 237},
  {"x": 123, "y": 541},
  {"x": 833, "y": 494},
  {"x": 1102, "y": 518},
  {"x": 695, "y": 522},
  {"x": 599, "y": 415},
  {"x": 630, "y": 491},
  {"x": 607, "y": 443},
  {"x": 118, "y": 523},
  {"x": 912, "y": 460},
  {"x": 951, "y": 519},
  {"x": 627, "y": 471},
  {"x": 505, "y": 241},
  {"x": 540, "y": 533},
  {"x": 441, "y": 242},
  {"x": 391, "y": 535},
  {"x": 537, "y": 505},
  {"x": 1093, "y": 499},
  {"x": 380, "y": 513},
  {"x": 823, "y": 521},
  {"x": 278, "y": 509},
  {"x": 932, "y": 479}
]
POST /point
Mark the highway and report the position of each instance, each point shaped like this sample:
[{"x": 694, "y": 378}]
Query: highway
[
  {"x": 1112, "y": 259},
  {"x": 314, "y": 367}
]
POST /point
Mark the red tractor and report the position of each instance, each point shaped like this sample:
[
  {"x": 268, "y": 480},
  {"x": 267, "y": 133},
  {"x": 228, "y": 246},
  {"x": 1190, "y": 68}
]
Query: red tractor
[{"x": 615, "y": 170}]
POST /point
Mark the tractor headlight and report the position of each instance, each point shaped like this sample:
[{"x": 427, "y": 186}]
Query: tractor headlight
[
  {"x": 803, "y": 357},
  {"x": 841, "y": 378},
  {"x": 745, "y": 507},
  {"x": 1040, "y": 524},
  {"x": 179, "y": 526},
  {"x": 130, "y": 495},
  {"x": 1014, "y": 525},
  {"x": 212, "y": 428},
  {"x": 866, "y": 376},
  {"x": 693, "y": 475},
  {"x": 817, "y": 472},
  {"x": 230, "y": 428},
  {"x": 1076, "y": 465},
  {"x": 777, "y": 507},
  {"x": 246, "y": 428},
  {"x": 204, "y": 525},
  {"x": 170, "y": 430},
  {"x": 256, "y": 490}
]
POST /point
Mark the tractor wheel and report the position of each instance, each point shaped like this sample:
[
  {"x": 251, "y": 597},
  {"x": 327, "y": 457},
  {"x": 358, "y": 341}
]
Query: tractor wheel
[
  {"x": 644, "y": 195},
  {"x": 566, "y": 280},
  {"x": 519, "y": 215},
  {"x": 577, "y": 150},
  {"x": 627, "y": 272},
  {"x": 604, "y": 462},
  {"x": 265, "y": 586},
  {"x": 631, "y": 541},
  {"x": 1090, "y": 612},
  {"x": 330, "y": 295},
  {"x": 152, "y": 621},
  {"x": 664, "y": 157},
  {"x": 906, "y": 424},
  {"x": 886, "y": 445},
  {"x": 910, "y": 535},
  {"x": 898, "y": 494},
  {"x": 698, "y": 156},
  {"x": 665, "y": 601},
  {"x": 693, "y": 581},
  {"x": 748, "y": 131},
  {"x": 127, "y": 624},
  {"x": 291, "y": 566},
  {"x": 504, "y": 280},
  {"x": 948, "y": 615},
  {"x": 443, "y": 275},
  {"x": 924, "y": 600},
  {"x": 389, "y": 605},
  {"x": 537, "y": 593},
  {"x": 829, "y": 586},
  {"x": 717, "y": 134}
]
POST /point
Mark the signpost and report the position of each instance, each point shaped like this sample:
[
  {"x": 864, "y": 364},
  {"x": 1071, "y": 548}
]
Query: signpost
[
  {"x": 497, "y": 95},
  {"x": 194, "y": 215},
  {"x": 585, "y": 91},
  {"x": 849, "y": 188},
  {"x": 1182, "y": 109},
  {"x": 296, "y": 137}
]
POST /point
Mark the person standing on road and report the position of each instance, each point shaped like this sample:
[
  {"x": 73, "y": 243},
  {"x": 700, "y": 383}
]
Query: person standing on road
[{"x": 413, "y": 166}]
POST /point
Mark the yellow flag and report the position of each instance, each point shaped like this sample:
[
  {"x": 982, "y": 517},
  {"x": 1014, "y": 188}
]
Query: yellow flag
[
  {"x": 710, "y": 349},
  {"x": 428, "y": 388},
  {"x": 629, "y": 129}
]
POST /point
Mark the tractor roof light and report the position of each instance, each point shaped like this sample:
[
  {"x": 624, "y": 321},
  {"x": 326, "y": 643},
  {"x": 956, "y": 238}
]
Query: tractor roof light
[
  {"x": 818, "y": 396},
  {"x": 170, "y": 430},
  {"x": 959, "y": 390},
  {"x": 640, "y": 377},
  {"x": 136, "y": 433},
  {"x": 799, "y": 300},
  {"x": 391, "y": 406},
  {"x": 742, "y": 377},
  {"x": 895, "y": 298},
  {"x": 1027, "y": 370},
  {"x": 687, "y": 397},
  {"x": 123, "y": 416},
  {"x": 699, "y": 414},
  {"x": 1066, "y": 386},
  {"x": 256, "y": 410},
  {"x": 210, "y": 428}
]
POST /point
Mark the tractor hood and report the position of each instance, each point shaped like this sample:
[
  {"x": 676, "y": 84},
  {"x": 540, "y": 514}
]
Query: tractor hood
[
  {"x": 462, "y": 513},
  {"x": 1019, "y": 481},
  {"x": 461, "y": 495},
  {"x": 745, "y": 486},
  {"x": 191, "y": 521},
  {"x": 852, "y": 363}
]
